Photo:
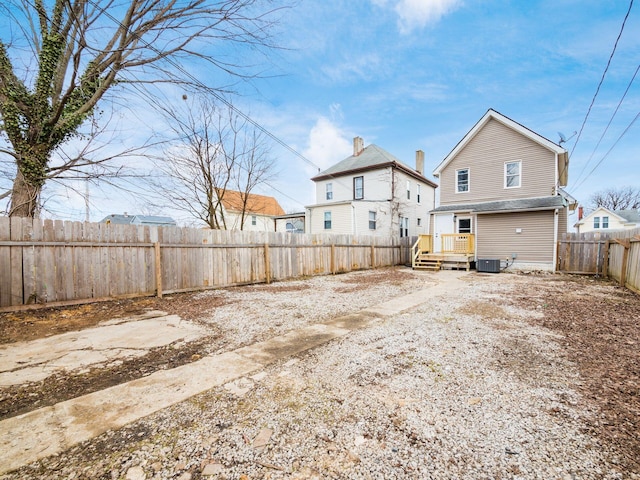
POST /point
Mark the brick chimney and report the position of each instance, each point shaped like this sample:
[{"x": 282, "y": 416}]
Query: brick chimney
[
  {"x": 358, "y": 146},
  {"x": 580, "y": 213},
  {"x": 420, "y": 161}
]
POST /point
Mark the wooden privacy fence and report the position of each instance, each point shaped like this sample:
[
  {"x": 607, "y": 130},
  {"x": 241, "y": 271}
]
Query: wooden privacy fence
[
  {"x": 47, "y": 262},
  {"x": 612, "y": 254}
]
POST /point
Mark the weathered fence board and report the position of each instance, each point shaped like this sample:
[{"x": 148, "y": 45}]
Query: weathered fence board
[
  {"x": 614, "y": 254},
  {"x": 46, "y": 261}
]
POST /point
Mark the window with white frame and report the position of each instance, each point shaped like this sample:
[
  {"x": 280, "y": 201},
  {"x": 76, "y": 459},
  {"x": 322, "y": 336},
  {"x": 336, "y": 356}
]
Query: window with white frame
[
  {"x": 418, "y": 192},
  {"x": 254, "y": 220},
  {"x": 372, "y": 220},
  {"x": 408, "y": 190},
  {"x": 327, "y": 220},
  {"x": 329, "y": 191},
  {"x": 596, "y": 222},
  {"x": 358, "y": 188},
  {"x": 419, "y": 222},
  {"x": 605, "y": 222},
  {"x": 512, "y": 174},
  {"x": 404, "y": 226},
  {"x": 462, "y": 180},
  {"x": 464, "y": 225}
]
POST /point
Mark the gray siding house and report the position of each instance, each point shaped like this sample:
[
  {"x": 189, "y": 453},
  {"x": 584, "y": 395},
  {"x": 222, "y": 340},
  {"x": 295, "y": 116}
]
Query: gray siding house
[{"x": 502, "y": 182}]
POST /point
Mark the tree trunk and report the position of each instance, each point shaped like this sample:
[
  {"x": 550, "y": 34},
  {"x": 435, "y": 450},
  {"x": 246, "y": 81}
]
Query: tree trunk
[{"x": 24, "y": 197}]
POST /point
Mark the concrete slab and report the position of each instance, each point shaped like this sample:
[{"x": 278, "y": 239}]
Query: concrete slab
[
  {"x": 47, "y": 431},
  {"x": 36, "y": 360},
  {"x": 50, "y": 430}
]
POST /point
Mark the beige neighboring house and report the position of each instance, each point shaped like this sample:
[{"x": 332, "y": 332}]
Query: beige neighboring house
[
  {"x": 372, "y": 193},
  {"x": 605, "y": 220},
  {"x": 502, "y": 182},
  {"x": 260, "y": 212},
  {"x": 290, "y": 222}
]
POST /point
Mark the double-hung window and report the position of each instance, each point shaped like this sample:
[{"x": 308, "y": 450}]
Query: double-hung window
[
  {"x": 358, "y": 188},
  {"x": 512, "y": 174},
  {"x": 462, "y": 180},
  {"x": 327, "y": 220},
  {"x": 408, "y": 190},
  {"x": 372, "y": 220},
  {"x": 404, "y": 227},
  {"x": 418, "y": 192},
  {"x": 329, "y": 191},
  {"x": 254, "y": 220},
  {"x": 596, "y": 222},
  {"x": 605, "y": 222}
]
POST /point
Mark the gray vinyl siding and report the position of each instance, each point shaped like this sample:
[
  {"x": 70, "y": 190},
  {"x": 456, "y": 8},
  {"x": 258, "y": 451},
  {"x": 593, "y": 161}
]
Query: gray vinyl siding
[
  {"x": 497, "y": 237},
  {"x": 485, "y": 156}
]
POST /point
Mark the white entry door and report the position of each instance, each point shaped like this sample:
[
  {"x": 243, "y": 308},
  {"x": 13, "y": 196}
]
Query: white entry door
[{"x": 443, "y": 223}]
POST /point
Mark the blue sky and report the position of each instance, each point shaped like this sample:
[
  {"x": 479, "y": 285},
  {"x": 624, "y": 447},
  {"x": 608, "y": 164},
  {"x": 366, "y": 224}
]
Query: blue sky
[{"x": 418, "y": 74}]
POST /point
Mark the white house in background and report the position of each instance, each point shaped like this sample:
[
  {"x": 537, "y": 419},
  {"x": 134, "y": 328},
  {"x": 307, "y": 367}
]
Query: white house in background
[
  {"x": 604, "y": 220},
  {"x": 259, "y": 214},
  {"x": 290, "y": 222},
  {"x": 372, "y": 193}
]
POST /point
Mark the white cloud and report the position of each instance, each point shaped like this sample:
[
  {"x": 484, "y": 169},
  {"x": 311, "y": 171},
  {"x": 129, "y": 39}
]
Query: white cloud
[
  {"x": 327, "y": 144},
  {"x": 420, "y": 13}
]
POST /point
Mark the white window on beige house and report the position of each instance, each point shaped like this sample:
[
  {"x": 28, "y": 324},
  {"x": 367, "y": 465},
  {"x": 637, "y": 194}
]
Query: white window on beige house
[
  {"x": 329, "y": 191},
  {"x": 327, "y": 220},
  {"x": 358, "y": 188},
  {"x": 462, "y": 180},
  {"x": 605, "y": 222},
  {"x": 596, "y": 222},
  {"x": 512, "y": 174},
  {"x": 372, "y": 220}
]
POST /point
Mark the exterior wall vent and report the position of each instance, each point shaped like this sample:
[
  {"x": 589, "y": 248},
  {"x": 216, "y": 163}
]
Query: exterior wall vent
[{"x": 488, "y": 265}]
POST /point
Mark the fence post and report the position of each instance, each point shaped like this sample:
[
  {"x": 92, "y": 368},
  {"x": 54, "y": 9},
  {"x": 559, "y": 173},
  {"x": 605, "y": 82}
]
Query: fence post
[
  {"x": 267, "y": 263},
  {"x": 156, "y": 247},
  {"x": 373, "y": 256},
  {"x": 333, "y": 259}
]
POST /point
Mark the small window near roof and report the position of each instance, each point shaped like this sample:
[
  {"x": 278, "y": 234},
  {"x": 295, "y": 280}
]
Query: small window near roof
[
  {"x": 512, "y": 174},
  {"x": 596, "y": 222},
  {"x": 418, "y": 192},
  {"x": 254, "y": 220},
  {"x": 462, "y": 180},
  {"x": 605, "y": 222},
  {"x": 329, "y": 191},
  {"x": 408, "y": 190}
]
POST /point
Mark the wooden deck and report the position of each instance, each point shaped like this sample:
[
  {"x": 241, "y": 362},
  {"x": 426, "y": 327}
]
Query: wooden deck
[{"x": 457, "y": 251}]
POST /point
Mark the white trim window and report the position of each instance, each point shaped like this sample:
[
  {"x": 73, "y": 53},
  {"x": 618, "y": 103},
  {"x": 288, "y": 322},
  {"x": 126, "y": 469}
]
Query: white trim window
[
  {"x": 404, "y": 227},
  {"x": 358, "y": 188},
  {"x": 329, "y": 191},
  {"x": 605, "y": 222},
  {"x": 327, "y": 220},
  {"x": 512, "y": 172},
  {"x": 464, "y": 225},
  {"x": 462, "y": 180},
  {"x": 254, "y": 220},
  {"x": 596, "y": 222},
  {"x": 372, "y": 220},
  {"x": 408, "y": 190},
  {"x": 418, "y": 192}
]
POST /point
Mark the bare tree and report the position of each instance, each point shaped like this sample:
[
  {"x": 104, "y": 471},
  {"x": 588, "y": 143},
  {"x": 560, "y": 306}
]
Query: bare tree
[
  {"x": 75, "y": 51},
  {"x": 217, "y": 151},
  {"x": 621, "y": 198}
]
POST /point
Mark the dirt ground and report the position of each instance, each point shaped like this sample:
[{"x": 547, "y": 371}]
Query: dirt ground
[{"x": 599, "y": 323}]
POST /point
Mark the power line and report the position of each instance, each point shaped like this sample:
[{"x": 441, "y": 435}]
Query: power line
[
  {"x": 609, "y": 151},
  {"x": 602, "y": 79},
  {"x": 608, "y": 124}
]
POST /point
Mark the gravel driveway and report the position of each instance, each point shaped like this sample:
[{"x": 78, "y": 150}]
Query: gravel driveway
[{"x": 473, "y": 385}]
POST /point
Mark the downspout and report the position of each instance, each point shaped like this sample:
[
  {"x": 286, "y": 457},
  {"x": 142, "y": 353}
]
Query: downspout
[{"x": 555, "y": 240}]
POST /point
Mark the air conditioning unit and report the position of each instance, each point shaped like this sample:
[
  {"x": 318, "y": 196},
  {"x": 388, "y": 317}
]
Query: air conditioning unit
[{"x": 488, "y": 265}]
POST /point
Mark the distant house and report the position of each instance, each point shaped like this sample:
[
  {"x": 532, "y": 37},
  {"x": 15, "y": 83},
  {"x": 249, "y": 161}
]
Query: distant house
[
  {"x": 260, "y": 211},
  {"x": 150, "y": 220},
  {"x": 602, "y": 220},
  {"x": 290, "y": 223},
  {"x": 372, "y": 193},
  {"x": 500, "y": 185}
]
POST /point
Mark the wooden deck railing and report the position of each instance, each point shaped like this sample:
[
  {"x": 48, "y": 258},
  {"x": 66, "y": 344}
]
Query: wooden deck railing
[
  {"x": 424, "y": 244},
  {"x": 462, "y": 243}
]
